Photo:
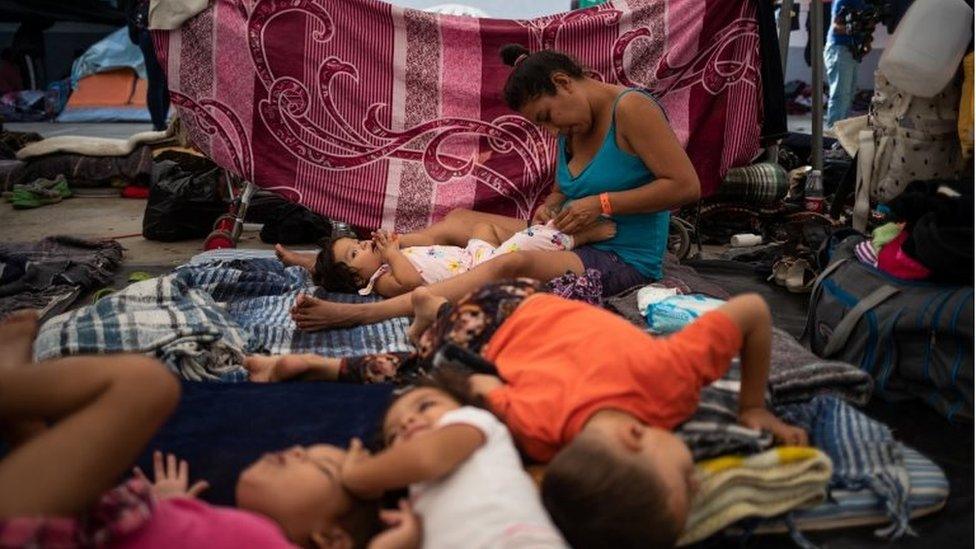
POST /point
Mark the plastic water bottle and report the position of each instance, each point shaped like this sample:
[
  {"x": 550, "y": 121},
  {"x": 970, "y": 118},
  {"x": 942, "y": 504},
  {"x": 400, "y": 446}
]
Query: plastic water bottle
[
  {"x": 924, "y": 54},
  {"x": 813, "y": 192}
]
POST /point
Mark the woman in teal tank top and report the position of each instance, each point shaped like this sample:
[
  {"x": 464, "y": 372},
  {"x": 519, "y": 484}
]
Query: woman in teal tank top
[{"x": 618, "y": 161}]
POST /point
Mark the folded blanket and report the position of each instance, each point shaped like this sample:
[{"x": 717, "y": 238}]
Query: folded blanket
[
  {"x": 796, "y": 375},
  {"x": 182, "y": 326},
  {"x": 763, "y": 485},
  {"x": 864, "y": 453},
  {"x": 91, "y": 146},
  {"x": 48, "y": 275}
]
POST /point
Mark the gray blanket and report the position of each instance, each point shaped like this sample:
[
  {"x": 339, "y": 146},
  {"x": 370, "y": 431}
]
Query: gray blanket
[
  {"x": 796, "y": 375},
  {"x": 48, "y": 275}
]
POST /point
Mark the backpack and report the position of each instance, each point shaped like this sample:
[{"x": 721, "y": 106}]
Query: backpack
[
  {"x": 914, "y": 338},
  {"x": 908, "y": 139}
]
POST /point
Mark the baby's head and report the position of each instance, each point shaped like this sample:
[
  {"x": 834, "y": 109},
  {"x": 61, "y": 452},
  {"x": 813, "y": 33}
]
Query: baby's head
[
  {"x": 346, "y": 264},
  {"x": 620, "y": 484},
  {"x": 415, "y": 411},
  {"x": 300, "y": 489}
]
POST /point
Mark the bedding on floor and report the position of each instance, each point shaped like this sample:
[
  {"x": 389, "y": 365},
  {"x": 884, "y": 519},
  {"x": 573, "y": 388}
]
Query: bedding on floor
[
  {"x": 164, "y": 317},
  {"x": 772, "y": 483},
  {"x": 203, "y": 318},
  {"x": 50, "y": 274}
]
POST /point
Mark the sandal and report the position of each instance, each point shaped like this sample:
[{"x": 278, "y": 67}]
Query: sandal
[
  {"x": 780, "y": 270},
  {"x": 800, "y": 277}
]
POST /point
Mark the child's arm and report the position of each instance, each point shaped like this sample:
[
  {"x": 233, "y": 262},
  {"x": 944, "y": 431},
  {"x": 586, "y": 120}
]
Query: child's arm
[
  {"x": 403, "y": 276},
  {"x": 752, "y": 316},
  {"x": 104, "y": 410},
  {"x": 426, "y": 456}
]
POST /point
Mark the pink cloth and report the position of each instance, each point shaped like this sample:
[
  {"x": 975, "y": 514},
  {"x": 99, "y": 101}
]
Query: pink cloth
[
  {"x": 894, "y": 261},
  {"x": 379, "y": 115},
  {"x": 189, "y": 524}
]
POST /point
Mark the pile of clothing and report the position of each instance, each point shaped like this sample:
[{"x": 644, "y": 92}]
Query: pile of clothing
[
  {"x": 49, "y": 275},
  {"x": 929, "y": 237}
]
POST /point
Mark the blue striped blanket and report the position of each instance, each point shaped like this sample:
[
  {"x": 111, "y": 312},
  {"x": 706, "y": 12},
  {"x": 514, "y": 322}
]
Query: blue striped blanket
[
  {"x": 864, "y": 453},
  {"x": 205, "y": 316}
]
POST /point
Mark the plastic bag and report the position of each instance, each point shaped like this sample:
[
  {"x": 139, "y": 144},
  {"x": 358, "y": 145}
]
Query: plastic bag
[
  {"x": 674, "y": 313},
  {"x": 183, "y": 204}
]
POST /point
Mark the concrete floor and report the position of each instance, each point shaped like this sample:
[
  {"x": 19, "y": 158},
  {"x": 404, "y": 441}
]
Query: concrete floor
[
  {"x": 111, "y": 217},
  {"x": 100, "y": 218}
]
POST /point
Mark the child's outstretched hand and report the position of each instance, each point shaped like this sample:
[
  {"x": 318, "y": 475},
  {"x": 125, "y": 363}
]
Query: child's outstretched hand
[
  {"x": 404, "y": 529},
  {"x": 356, "y": 456},
  {"x": 763, "y": 419},
  {"x": 172, "y": 478}
]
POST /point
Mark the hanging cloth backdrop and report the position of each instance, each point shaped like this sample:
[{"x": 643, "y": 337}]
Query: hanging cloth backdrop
[{"x": 384, "y": 116}]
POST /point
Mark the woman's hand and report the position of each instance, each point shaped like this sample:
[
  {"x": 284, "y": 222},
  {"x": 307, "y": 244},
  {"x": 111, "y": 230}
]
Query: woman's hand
[
  {"x": 386, "y": 243},
  {"x": 404, "y": 530},
  {"x": 578, "y": 214},
  {"x": 172, "y": 478}
]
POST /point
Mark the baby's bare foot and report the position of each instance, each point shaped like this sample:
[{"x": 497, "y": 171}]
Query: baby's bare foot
[
  {"x": 290, "y": 258},
  {"x": 17, "y": 333},
  {"x": 599, "y": 231},
  {"x": 425, "y": 307}
]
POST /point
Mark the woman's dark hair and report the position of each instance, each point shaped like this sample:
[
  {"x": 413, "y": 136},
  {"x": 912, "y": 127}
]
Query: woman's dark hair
[
  {"x": 532, "y": 75},
  {"x": 330, "y": 274}
]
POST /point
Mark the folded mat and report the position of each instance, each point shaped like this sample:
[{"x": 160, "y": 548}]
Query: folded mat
[
  {"x": 764, "y": 485},
  {"x": 222, "y": 428},
  {"x": 51, "y": 273}
]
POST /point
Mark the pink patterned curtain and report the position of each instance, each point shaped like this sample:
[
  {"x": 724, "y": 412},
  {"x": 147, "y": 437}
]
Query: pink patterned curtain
[{"x": 383, "y": 116}]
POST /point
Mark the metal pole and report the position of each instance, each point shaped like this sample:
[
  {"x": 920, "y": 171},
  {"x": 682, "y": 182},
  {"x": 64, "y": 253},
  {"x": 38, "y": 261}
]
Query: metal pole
[
  {"x": 785, "y": 9},
  {"x": 817, "y": 62}
]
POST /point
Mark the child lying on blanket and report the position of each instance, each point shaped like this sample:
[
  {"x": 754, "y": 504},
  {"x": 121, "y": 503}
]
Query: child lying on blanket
[
  {"x": 465, "y": 476},
  {"x": 55, "y": 482},
  {"x": 589, "y": 391},
  {"x": 381, "y": 265}
]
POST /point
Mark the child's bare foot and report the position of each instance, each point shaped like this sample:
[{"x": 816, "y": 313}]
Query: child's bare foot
[
  {"x": 17, "y": 333},
  {"x": 425, "y": 307},
  {"x": 271, "y": 369},
  {"x": 291, "y": 259},
  {"x": 599, "y": 231}
]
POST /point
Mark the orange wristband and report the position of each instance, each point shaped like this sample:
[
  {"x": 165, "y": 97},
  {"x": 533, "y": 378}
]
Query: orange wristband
[{"x": 605, "y": 204}]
